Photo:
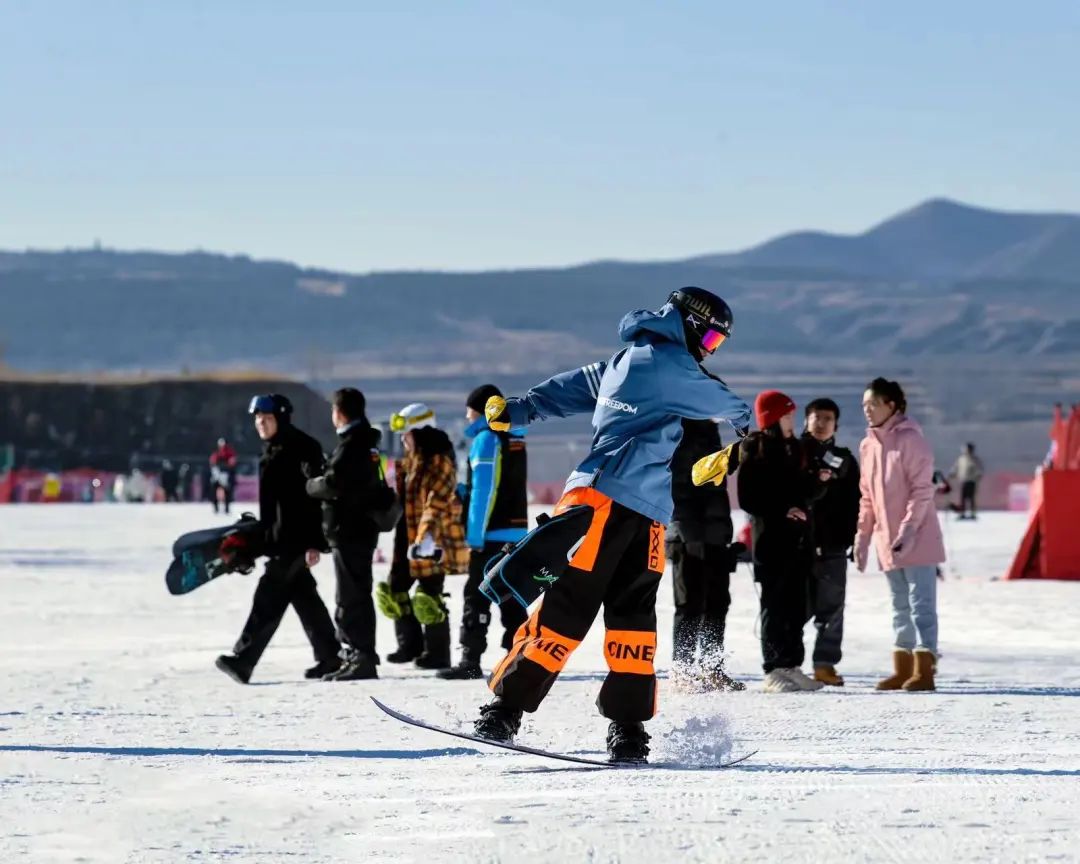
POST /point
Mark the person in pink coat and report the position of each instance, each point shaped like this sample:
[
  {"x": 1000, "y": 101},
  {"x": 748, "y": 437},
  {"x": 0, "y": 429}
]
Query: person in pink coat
[{"x": 897, "y": 514}]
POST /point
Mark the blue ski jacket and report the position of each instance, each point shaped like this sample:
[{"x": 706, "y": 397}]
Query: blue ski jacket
[
  {"x": 637, "y": 399},
  {"x": 486, "y": 476}
]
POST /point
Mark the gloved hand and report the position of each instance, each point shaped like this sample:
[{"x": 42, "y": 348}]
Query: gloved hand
[
  {"x": 497, "y": 414},
  {"x": 903, "y": 538},
  {"x": 425, "y": 550},
  {"x": 428, "y": 609},
  {"x": 712, "y": 468},
  {"x": 392, "y": 605}
]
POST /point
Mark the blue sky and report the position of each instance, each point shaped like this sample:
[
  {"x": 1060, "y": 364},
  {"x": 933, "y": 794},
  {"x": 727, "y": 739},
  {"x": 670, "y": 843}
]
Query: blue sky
[{"x": 467, "y": 135}]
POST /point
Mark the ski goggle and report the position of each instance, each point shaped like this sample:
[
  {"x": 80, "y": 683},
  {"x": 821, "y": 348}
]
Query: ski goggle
[
  {"x": 262, "y": 405},
  {"x": 712, "y": 340}
]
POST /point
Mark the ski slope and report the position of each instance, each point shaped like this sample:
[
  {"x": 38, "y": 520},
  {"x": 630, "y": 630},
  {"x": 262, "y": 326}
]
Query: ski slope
[{"x": 120, "y": 742}]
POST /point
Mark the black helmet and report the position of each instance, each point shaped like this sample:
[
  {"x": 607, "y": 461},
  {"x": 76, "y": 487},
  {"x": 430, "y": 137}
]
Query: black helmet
[
  {"x": 271, "y": 403},
  {"x": 707, "y": 319}
]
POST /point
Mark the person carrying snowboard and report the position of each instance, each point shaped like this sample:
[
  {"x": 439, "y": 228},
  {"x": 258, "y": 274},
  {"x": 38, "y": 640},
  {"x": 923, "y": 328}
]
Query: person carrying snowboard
[
  {"x": 429, "y": 541},
  {"x": 292, "y": 528},
  {"x": 637, "y": 400}
]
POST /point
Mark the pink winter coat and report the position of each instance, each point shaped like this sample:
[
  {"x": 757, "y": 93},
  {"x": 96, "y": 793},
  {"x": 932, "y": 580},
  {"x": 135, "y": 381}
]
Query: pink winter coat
[{"x": 897, "y": 504}]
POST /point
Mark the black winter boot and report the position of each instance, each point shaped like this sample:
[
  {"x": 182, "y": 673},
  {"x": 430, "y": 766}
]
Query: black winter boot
[
  {"x": 234, "y": 668},
  {"x": 627, "y": 742},
  {"x": 436, "y": 654},
  {"x": 321, "y": 670},
  {"x": 410, "y": 640},
  {"x": 357, "y": 667},
  {"x": 497, "y": 722},
  {"x": 466, "y": 670}
]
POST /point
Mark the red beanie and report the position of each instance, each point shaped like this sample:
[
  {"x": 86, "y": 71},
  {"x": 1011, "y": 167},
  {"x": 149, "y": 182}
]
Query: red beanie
[{"x": 770, "y": 406}]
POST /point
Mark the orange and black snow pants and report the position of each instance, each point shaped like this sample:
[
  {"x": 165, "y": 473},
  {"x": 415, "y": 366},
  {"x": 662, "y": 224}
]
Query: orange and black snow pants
[{"x": 617, "y": 566}]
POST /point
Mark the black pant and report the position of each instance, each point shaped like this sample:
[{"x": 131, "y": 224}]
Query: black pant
[
  {"x": 830, "y": 589},
  {"x": 785, "y": 609},
  {"x": 432, "y": 639},
  {"x": 702, "y": 599},
  {"x": 355, "y": 612},
  {"x": 226, "y": 498},
  {"x": 285, "y": 581},
  {"x": 476, "y": 610},
  {"x": 619, "y": 567},
  {"x": 967, "y": 497}
]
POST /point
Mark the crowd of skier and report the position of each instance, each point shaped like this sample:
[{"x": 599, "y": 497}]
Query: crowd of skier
[{"x": 653, "y": 487}]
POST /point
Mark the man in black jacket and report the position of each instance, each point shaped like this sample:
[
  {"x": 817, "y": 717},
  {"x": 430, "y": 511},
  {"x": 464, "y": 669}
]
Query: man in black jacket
[
  {"x": 349, "y": 490},
  {"x": 292, "y": 540},
  {"x": 699, "y": 546},
  {"x": 836, "y": 516}
]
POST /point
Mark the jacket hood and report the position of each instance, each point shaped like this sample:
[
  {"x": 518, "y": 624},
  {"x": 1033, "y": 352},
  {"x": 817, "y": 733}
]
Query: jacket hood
[
  {"x": 666, "y": 324},
  {"x": 897, "y": 423}
]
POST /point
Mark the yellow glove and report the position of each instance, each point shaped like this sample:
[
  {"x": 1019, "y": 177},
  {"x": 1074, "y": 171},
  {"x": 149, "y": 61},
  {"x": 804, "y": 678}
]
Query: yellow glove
[
  {"x": 713, "y": 467},
  {"x": 498, "y": 418}
]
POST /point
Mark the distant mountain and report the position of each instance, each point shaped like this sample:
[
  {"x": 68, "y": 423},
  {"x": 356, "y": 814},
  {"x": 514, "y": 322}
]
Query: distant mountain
[
  {"x": 937, "y": 280},
  {"x": 937, "y": 240}
]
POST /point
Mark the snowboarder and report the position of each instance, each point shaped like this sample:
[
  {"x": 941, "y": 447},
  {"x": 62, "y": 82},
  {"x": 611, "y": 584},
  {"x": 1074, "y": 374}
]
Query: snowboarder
[
  {"x": 836, "y": 515},
  {"x": 349, "y": 490},
  {"x": 429, "y": 541},
  {"x": 293, "y": 539},
  {"x": 637, "y": 400},
  {"x": 222, "y": 475},
  {"x": 968, "y": 470},
  {"x": 496, "y": 513},
  {"x": 702, "y": 558},
  {"x": 777, "y": 487},
  {"x": 896, "y": 512}
]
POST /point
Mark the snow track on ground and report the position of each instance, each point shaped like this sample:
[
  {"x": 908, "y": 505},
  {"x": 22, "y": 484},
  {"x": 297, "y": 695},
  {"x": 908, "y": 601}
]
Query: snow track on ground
[{"x": 119, "y": 741}]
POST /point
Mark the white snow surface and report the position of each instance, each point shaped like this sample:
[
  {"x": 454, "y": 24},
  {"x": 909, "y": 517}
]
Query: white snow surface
[{"x": 120, "y": 741}]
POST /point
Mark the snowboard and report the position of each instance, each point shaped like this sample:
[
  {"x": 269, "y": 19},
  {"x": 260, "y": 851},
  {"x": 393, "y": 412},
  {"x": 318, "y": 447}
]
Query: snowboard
[
  {"x": 201, "y": 556},
  {"x": 532, "y": 751}
]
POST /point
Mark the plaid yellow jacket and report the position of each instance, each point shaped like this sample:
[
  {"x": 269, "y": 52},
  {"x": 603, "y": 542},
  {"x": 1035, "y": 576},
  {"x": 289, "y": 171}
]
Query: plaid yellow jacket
[{"x": 428, "y": 488}]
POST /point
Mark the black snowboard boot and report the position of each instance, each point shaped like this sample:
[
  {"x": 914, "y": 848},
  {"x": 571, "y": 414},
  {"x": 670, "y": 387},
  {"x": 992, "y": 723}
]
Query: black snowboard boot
[
  {"x": 234, "y": 668},
  {"x": 627, "y": 742},
  {"x": 466, "y": 670},
  {"x": 497, "y": 722},
  {"x": 436, "y": 653},
  {"x": 410, "y": 640},
  {"x": 357, "y": 667},
  {"x": 321, "y": 670}
]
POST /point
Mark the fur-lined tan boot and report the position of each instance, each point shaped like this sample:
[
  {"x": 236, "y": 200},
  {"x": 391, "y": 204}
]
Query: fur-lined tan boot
[
  {"x": 923, "y": 676},
  {"x": 903, "y": 669},
  {"x": 827, "y": 674}
]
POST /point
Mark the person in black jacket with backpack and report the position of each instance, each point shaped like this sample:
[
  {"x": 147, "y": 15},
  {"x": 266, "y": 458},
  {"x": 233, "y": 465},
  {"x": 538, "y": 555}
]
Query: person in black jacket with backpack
[
  {"x": 699, "y": 546},
  {"x": 292, "y": 540},
  {"x": 836, "y": 517},
  {"x": 350, "y": 490}
]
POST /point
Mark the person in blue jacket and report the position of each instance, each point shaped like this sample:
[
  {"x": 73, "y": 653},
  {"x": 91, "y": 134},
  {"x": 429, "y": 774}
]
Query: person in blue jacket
[
  {"x": 496, "y": 513},
  {"x": 637, "y": 400}
]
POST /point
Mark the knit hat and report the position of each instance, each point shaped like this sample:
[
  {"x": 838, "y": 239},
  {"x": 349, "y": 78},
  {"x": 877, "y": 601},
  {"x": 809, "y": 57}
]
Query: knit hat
[
  {"x": 414, "y": 416},
  {"x": 479, "y": 397},
  {"x": 770, "y": 406}
]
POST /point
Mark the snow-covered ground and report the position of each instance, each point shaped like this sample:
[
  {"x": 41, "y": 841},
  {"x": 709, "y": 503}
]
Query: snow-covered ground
[{"x": 120, "y": 742}]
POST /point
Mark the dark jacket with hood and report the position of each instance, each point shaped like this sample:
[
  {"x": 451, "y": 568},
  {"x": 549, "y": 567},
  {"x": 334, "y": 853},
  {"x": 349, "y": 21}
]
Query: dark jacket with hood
[
  {"x": 292, "y": 521},
  {"x": 836, "y": 512},
  {"x": 702, "y": 513},
  {"x": 776, "y": 474},
  {"x": 352, "y": 487},
  {"x": 637, "y": 400}
]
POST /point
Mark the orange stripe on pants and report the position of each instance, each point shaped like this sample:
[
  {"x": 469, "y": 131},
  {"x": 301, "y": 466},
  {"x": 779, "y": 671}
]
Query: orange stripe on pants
[
  {"x": 540, "y": 644},
  {"x": 585, "y": 556},
  {"x": 630, "y": 651}
]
